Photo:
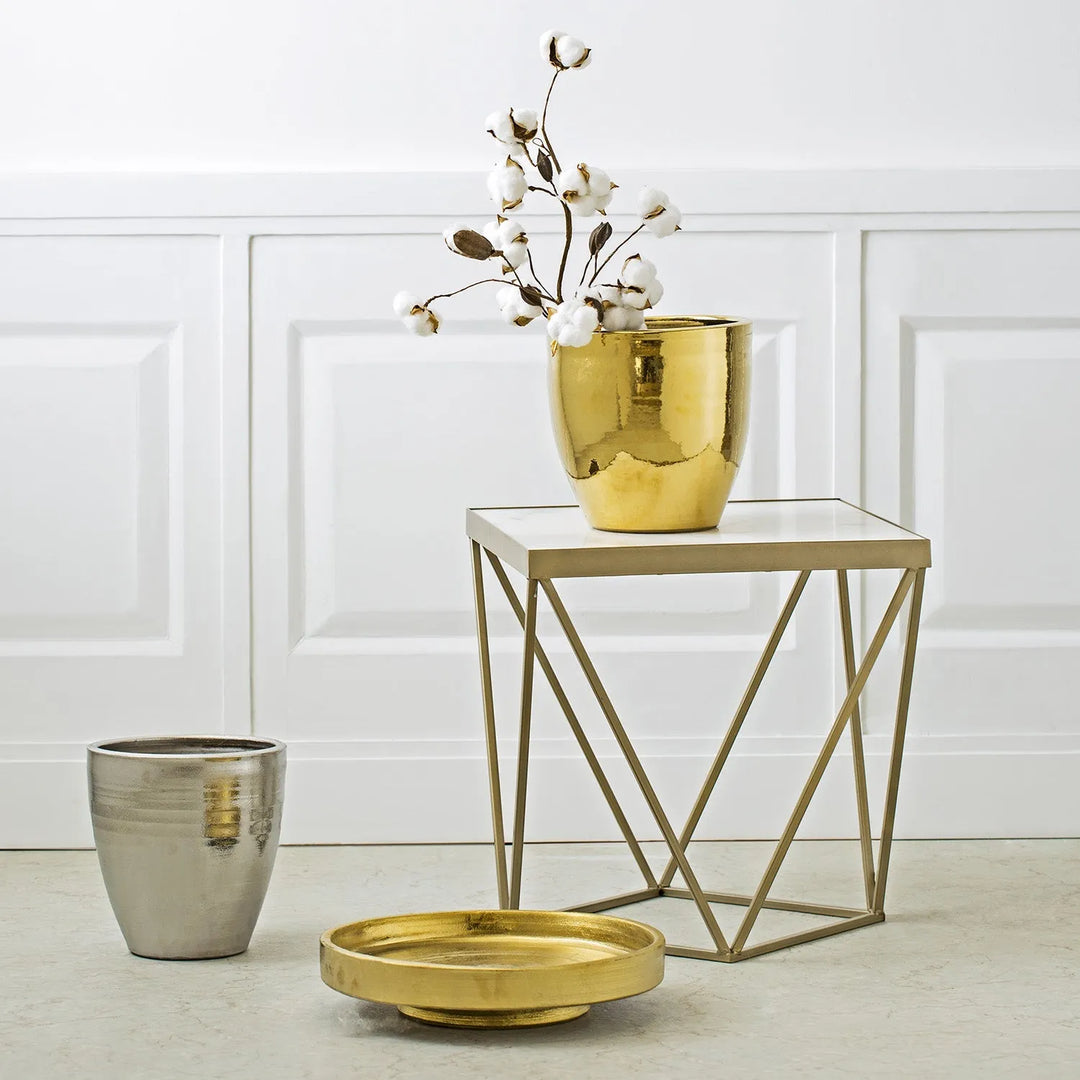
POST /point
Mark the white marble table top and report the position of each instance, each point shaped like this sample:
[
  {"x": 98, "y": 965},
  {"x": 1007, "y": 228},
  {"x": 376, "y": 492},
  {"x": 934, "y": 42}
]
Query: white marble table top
[{"x": 793, "y": 534}]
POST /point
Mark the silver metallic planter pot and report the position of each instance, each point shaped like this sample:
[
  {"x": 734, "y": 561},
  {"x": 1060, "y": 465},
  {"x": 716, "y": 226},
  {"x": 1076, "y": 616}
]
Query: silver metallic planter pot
[{"x": 186, "y": 829}]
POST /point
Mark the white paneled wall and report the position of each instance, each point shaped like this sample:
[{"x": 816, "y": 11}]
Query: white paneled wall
[{"x": 232, "y": 494}]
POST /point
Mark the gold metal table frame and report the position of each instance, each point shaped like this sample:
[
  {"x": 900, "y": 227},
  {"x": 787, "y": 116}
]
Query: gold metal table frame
[{"x": 544, "y": 543}]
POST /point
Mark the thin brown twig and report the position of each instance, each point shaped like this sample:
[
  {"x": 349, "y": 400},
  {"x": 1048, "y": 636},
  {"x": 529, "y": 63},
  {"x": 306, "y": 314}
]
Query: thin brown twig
[
  {"x": 543, "y": 288},
  {"x": 543, "y": 123},
  {"x": 591, "y": 259},
  {"x": 444, "y": 295}
]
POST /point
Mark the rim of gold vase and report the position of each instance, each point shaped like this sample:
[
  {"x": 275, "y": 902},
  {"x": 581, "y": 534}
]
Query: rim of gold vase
[{"x": 674, "y": 324}]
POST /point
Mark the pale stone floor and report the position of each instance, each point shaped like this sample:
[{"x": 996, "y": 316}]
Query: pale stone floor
[{"x": 976, "y": 973}]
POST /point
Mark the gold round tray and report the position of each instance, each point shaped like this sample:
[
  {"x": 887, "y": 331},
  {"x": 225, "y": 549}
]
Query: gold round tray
[{"x": 493, "y": 969}]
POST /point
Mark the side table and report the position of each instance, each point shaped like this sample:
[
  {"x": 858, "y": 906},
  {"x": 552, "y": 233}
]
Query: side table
[{"x": 547, "y": 543}]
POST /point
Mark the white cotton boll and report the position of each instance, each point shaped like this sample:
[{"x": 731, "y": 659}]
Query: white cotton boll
[
  {"x": 563, "y": 51},
  {"x": 574, "y": 336},
  {"x": 573, "y": 183},
  {"x": 546, "y": 38},
  {"x": 637, "y": 271},
  {"x": 616, "y": 318},
  {"x": 634, "y": 297},
  {"x": 651, "y": 199},
  {"x": 585, "y": 317},
  {"x": 571, "y": 51},
  {"x": 599, "y": 182},
  {"x": 508, "y": 237},
  {"x": 513, "y": 243},
  {"x": 425, "y": 323},
  {"x": 527, "y": 122},
  {"x": 654, "y": 293},
  {"x": 623, "y": 318},
  {"x": 515, "y": 253},
  {"x": 609, "y": 294},
  {"x": 404, "y": 302},
  {"x": 657, "y": 213},
  {"x": 512, "y": 126},
  {"x": 665, "y": 223},
  {"x": 598, "y": 190},
  {"x": 585, "y": 190},
  {"x": 515, "y": 310},
  {"x": 573, "y": 323},
  {"x": 507, "y": 185}
]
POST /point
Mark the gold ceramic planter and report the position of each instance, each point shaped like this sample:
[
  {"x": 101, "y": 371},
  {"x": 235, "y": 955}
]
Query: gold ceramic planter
[{"x": 651, "y": 424}]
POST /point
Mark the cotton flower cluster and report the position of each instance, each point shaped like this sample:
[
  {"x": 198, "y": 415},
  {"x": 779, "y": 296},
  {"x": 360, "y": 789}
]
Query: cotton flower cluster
[
  {"x": 509, "y": 240},
  {"x": 507, "y": 184},
  {"x": 513, "y": 127},
  {"x": 416, "y": 316},
  {"x": 658, "y": 214},
  {"x": 563, "y": 51},
  {"x": 615, "y": 314},
  {"x": 624, "y": 304},
  {"x": 573, "y": 323},
  {"x": 638, "y": 284},
  {"x": 585, "y": 190},
  {"x": 515, "y": 308},
  {"x": 575, "y": 306}
]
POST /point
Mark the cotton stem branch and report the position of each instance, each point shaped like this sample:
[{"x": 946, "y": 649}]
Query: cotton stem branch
[
  {"x": 613, "y": 250},
  {"x": 565, "y": 252},
  {"x": 444, "y": 295},
  {"x": 543, "y": 124}
]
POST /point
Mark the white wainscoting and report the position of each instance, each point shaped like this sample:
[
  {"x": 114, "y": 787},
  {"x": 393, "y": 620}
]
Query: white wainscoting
[{"x": 232, "y": 496}]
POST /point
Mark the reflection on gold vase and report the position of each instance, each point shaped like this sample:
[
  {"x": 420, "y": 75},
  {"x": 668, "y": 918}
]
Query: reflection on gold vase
[{"x": 651, "y": 424}]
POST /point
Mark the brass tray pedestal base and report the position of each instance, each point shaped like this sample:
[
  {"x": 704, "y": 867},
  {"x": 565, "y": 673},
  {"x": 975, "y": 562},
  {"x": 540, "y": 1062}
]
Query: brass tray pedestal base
[{"x": 493, "y": 1018}]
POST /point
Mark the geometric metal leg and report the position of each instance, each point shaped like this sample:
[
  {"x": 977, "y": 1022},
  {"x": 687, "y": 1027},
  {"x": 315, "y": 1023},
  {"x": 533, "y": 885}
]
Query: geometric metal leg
[
  {"x": 579, "y": 734},
  {"x": 523, "y": 745},
  {"x": 858, "y": 758},
  {"x": 842, "y": 719},
  {"x": 735, "y": 727},
  {"x": 489, "y": 727},
  {"x": 632, "y": 759},
  {"x": 899, "y": 731}
]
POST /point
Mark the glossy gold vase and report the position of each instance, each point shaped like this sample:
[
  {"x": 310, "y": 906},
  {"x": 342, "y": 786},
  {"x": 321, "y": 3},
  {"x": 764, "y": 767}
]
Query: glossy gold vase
[{"x": 651, "y": 424}]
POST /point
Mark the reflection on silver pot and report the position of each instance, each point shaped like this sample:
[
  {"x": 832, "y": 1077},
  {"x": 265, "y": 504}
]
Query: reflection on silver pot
[{"x": 186, "y": 829}]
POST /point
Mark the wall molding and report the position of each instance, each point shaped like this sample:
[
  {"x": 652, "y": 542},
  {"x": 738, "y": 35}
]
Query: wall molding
[
  {"x": 364, "y": 792},
  {"x": 388, "y": 195}
]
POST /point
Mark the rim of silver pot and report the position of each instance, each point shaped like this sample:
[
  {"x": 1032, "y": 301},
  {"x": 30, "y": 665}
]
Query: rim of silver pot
[{"x": 182, "y": 747}]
